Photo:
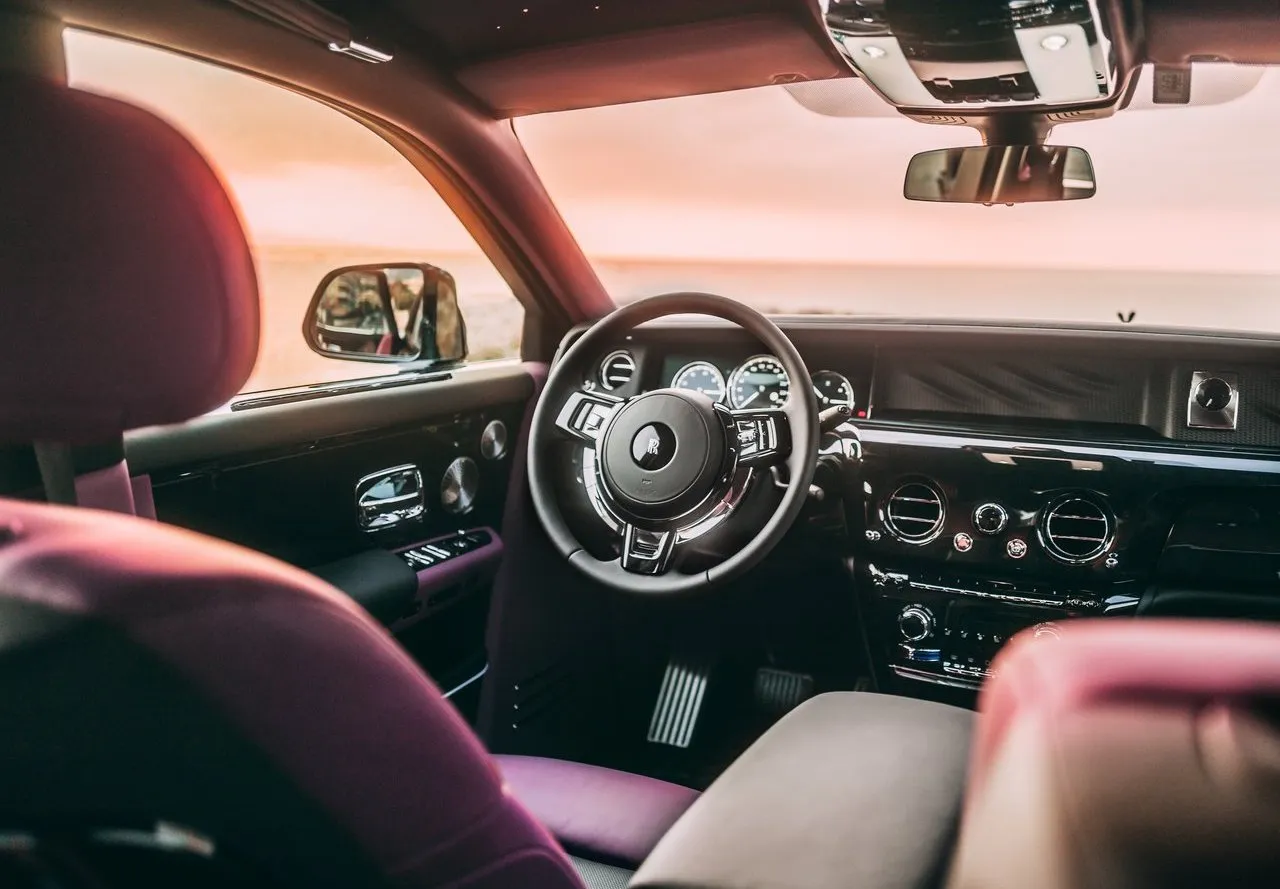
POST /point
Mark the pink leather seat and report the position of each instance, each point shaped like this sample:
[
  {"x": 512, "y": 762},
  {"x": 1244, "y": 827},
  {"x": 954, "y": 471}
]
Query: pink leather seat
[
  {"x": 601, "y": 814},
  {"x": 1128, "y": 754},
  {"x": 150, "y": 674}
]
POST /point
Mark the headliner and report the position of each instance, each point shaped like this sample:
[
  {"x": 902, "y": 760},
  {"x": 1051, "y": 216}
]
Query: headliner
[
  {"x": 528, "y": 56},
  {"x": 520, "y": 57}
]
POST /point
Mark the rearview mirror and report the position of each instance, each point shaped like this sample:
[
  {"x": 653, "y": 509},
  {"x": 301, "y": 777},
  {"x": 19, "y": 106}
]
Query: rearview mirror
[
  {"x": 1000, "y": 174},
  {"x": 391, "y": 312}
]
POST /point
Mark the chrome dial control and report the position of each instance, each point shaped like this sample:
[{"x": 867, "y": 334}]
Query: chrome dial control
[
  {"x": 915, "y": 622},
  {"x": 990, "y": 518},
  {"x": 1214, "y": 394}
]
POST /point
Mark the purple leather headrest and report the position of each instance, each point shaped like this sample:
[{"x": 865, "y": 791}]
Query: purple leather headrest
[{"x": 127, "y": 290}]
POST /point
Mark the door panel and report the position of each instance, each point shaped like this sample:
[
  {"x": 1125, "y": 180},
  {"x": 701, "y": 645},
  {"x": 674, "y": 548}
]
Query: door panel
[{"x": 282, "y": 480}]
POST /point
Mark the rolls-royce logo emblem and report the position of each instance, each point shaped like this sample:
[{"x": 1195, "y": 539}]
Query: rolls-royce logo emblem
[{"x": 653, "y": 446}]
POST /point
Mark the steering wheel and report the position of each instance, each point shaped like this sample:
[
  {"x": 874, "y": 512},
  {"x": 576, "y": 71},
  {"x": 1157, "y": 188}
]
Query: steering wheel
[{"x": 665, "y": 467}]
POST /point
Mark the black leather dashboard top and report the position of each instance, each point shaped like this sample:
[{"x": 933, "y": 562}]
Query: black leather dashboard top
[{"x": 1086, "y": 384}]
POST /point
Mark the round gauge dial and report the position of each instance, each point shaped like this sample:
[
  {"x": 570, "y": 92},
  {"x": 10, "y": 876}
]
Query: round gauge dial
[
  {"x": 761, "y": 382},
  {"x": 701, "y": 376},
  {"x": 832, "y": 389}
]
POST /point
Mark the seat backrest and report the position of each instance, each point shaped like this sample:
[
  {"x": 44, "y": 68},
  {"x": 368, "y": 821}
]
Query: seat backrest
[
  {"x": 153, "y": 676},
  {"x": 1126, "y": 755}
]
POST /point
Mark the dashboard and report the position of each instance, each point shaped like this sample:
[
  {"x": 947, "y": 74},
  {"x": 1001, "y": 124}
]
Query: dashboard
[{"x": 1007, "y": 477}]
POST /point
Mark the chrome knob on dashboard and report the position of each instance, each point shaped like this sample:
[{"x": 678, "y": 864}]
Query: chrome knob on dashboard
[
  {"x": 1214, "y": 394},
  {"x": 990, "y": 518},
  {"x": 915, "y": 622}
]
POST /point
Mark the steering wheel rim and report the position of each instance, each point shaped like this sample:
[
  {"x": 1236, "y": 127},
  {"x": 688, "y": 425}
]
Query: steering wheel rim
[{"x": 565, "y": 379}]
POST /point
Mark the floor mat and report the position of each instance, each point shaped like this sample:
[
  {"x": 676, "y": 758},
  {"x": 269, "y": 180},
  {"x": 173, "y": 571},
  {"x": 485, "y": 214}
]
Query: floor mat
[{"x": 601, "y": 876}]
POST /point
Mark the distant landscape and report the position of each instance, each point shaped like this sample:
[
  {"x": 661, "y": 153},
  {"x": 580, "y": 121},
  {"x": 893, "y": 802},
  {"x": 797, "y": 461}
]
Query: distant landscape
[
  {"x": 289, "y": 275},
  {"x": 747, "y": 193}
]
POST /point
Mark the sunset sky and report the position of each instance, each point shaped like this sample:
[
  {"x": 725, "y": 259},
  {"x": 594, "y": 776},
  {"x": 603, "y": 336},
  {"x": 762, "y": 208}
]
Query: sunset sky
[{"x": 749, "y": 175}]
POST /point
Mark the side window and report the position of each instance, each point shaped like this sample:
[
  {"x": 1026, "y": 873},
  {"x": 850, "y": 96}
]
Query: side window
[{"x": 316, "y": 191}]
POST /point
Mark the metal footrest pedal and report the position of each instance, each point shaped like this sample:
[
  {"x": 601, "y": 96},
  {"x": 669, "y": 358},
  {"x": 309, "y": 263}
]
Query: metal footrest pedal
[
  {"x": 778, "y": 692},
  {"x": 675, "y": 715}
]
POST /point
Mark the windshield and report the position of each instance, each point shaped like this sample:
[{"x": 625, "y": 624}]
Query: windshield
[{"x": 794, "y": 210}]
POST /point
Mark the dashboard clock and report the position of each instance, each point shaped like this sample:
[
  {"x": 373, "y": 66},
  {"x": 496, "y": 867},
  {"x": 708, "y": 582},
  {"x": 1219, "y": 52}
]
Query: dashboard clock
[{"x": 760, "y": 382}]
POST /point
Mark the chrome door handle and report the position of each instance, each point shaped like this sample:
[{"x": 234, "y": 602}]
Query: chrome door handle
[{"x": 389, "y": 497}]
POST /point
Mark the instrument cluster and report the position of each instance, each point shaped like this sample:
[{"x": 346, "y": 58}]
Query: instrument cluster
[{"x": 759, "y": 382}]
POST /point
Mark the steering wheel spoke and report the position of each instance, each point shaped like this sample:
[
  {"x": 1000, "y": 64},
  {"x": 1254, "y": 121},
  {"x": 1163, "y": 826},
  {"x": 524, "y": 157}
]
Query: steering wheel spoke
[
  {"x": 647, "y": 552},
  {"x": 585, "y": 414},
  {"x": 762, "y": 437}
]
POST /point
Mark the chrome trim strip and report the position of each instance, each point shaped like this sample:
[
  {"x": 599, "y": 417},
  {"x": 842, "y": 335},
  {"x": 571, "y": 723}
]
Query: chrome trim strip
[
  {"x": 1067, "y": 452},
  {"x": 460, "y": 686},
  {"x": 591, "y": 484},
  {"x": 923, "y": 676},
  {"x": 721, "y": 510},
  {"x": 978, "y": 594}
]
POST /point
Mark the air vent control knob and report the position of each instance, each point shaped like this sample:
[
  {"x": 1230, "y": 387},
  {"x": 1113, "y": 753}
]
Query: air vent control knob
[
  {"x": 1214, "y": 394},
  {"x": 916, "y": 623},
  {"x": 990, "y": 518}
]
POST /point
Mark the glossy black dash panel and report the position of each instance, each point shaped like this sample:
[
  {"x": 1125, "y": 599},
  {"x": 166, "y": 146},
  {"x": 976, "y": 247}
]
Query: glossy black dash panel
[{"x": 1015, "y": 385}]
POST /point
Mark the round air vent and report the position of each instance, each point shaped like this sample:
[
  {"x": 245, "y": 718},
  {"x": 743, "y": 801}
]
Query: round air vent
[
  {"x": 458, "y": 486},
  {"x": 1076, "y": 529},
  {"x": 493, "y": 440},
  {"x": 915, "y": 512},
  {"x": 617, "y": 369}
]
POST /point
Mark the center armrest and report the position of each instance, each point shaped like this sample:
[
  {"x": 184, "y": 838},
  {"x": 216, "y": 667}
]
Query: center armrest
[{"x": 848, "y": 791}]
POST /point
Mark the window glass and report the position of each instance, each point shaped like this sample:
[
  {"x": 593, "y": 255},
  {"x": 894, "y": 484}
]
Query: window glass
[
  {"x": 316, "y": 191},
  {"x": 790, "y": 198}
]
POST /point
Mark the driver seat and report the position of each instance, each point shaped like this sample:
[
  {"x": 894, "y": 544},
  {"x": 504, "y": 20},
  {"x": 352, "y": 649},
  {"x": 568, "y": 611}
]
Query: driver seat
[{"x": 177, "y": 710}]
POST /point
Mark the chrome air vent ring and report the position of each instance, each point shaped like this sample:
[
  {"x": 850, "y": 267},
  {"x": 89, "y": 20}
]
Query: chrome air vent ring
[
  {"x": 1076, "y": 529},
  {"x": 617, "y": 369},
  {"x": 915, "y": 511}
]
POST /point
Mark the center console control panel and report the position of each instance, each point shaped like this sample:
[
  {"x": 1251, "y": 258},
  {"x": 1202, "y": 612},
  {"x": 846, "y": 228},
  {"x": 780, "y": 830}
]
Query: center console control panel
[{"x": 947, "y": 630}]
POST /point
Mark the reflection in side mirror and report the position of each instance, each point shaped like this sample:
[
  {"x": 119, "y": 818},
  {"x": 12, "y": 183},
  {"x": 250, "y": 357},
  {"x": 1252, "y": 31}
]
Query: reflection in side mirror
[
  {"x": 1000, "y": 174},
  {"x": 389, "y": 312}
]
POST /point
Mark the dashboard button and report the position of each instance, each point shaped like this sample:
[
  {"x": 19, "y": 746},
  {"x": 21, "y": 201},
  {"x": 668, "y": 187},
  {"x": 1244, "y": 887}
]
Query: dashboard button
[
  {"x": 962, "y": 542},
  {"x": 990, "y": 518},
  {"x": 1016, "y": 548}
]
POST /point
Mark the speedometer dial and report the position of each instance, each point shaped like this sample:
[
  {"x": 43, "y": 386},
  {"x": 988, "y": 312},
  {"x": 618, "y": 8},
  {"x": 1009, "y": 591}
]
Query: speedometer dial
[
  {"x": 832, "y": 389},
  {"x": 761, "y": 382},
  {"x": 700, "y": 376}
]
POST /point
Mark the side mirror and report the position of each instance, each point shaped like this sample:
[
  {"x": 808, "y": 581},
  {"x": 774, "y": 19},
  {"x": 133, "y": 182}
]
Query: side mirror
[
  {"x": 396, "y": 312},
  {"x": 1000, "y": 174}
]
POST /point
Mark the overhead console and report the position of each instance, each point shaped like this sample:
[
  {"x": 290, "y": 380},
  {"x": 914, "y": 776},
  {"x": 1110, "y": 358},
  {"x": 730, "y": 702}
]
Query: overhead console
[
  {"x": 978, "y": 61},
  {"x": 924, "y": 54}
]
